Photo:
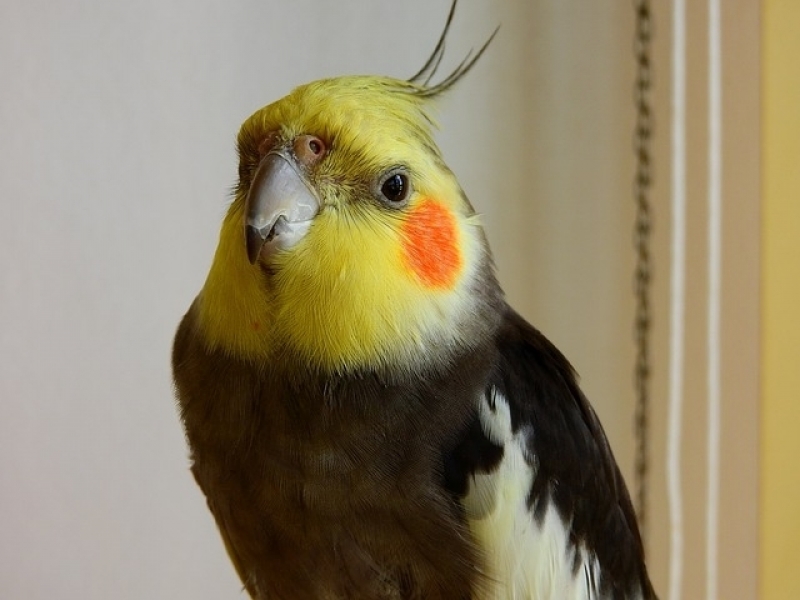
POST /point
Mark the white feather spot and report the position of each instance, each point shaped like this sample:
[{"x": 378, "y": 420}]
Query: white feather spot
[{"x": 524, "y": 559}]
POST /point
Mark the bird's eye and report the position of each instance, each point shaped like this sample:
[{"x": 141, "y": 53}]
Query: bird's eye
[{"x": 395, "y": 189}]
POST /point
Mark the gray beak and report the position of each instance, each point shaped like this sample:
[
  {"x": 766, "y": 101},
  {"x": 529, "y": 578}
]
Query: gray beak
[{"x": 280, "y": 206}]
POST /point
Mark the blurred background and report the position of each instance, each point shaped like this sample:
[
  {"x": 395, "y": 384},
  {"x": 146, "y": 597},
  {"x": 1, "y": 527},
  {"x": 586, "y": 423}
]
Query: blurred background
[{"x": 117, "y": 157}]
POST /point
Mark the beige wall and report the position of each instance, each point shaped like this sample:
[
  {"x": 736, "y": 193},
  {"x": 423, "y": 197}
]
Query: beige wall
[
  {"x": 732, "y": 552},
  {"x": 117, "y": 157}
]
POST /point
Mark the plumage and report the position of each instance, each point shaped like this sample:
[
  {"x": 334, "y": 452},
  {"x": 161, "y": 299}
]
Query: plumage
[{"x": 367, "y": 417}]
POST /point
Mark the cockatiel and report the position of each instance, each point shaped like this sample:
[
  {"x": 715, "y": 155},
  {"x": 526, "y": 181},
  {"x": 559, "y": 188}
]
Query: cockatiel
[{"x": 367, "y": 417}]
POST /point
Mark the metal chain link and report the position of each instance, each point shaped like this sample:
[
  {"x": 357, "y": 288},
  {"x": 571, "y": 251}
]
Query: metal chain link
[{"x": 643, "y": 134}]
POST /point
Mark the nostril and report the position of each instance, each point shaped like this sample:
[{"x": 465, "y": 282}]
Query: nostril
[{"x": 309, "y": 149}]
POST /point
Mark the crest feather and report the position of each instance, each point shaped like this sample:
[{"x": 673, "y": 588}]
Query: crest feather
[{"x": 421, "y": 79}]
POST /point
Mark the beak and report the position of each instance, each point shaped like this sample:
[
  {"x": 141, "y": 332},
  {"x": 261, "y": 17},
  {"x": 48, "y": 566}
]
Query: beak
[{"x": 280, "y": 206}]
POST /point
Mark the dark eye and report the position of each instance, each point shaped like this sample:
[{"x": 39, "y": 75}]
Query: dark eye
[{"x": 395, "y": 188}]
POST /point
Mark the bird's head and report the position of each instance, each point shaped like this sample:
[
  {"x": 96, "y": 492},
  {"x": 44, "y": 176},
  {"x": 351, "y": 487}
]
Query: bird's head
[{"x": 349, "y": 244}]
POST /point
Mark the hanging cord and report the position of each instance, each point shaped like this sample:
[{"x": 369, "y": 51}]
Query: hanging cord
[{"x": 643, "y": 134}]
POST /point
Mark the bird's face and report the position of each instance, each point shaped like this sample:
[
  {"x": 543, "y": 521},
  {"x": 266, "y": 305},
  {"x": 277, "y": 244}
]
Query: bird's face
[{"x": 360, "y": 241}]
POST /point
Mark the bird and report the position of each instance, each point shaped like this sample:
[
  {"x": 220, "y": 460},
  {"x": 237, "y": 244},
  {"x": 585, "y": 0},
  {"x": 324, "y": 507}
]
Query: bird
[{"x": 366, "y": 415}]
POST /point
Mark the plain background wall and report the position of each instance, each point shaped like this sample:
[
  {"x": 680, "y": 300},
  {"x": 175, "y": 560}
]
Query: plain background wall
[
  {"x": 780, "y": 477},
  {"x": 116, "y": 157}
]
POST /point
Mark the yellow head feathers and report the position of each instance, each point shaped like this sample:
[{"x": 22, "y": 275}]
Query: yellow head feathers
[
  {"x": 364, "y": 116},
  {"x": 389, "y": 270}
]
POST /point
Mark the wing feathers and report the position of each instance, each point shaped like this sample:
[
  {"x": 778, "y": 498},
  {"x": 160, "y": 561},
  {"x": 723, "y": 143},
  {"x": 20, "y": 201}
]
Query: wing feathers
[{"x": 553, "y": 516}]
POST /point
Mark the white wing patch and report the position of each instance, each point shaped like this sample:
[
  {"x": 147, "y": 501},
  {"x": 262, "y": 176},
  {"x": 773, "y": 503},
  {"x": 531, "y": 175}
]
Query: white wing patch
[{"x": 524, "y": 559}]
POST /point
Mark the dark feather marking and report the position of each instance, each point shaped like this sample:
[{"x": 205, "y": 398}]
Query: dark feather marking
[{"x": 474, "y": 453}]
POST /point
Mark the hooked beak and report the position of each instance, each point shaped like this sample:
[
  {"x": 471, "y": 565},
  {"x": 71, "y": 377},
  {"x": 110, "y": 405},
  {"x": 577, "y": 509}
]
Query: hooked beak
[{"x": 280, "y": 206}]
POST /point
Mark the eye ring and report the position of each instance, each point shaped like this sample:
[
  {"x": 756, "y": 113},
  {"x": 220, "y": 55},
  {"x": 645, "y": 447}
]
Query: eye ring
[{"x": 394, "y": 188}]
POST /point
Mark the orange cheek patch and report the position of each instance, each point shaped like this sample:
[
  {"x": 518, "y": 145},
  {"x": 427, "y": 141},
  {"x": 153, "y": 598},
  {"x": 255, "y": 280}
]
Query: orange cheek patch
[{"x": 430, "y": 245}]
